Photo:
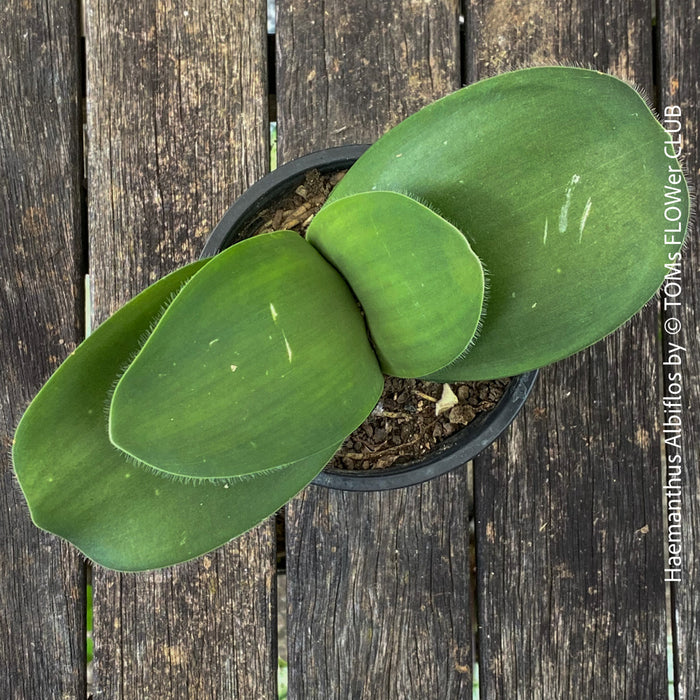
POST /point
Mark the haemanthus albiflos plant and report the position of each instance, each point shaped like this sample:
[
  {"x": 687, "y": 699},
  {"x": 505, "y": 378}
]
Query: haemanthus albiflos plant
[{"x": 258, "y": 362}]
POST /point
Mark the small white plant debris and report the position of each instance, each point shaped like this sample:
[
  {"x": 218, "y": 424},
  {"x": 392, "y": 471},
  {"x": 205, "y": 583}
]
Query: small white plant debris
[{"x": 447, "y": 401}]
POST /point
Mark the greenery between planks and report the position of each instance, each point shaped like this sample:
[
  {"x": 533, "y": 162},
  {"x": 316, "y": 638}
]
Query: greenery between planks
[{"x": 495, "y": 231}]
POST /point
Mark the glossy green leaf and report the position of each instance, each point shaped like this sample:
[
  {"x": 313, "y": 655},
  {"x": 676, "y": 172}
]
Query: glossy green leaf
[
  {"x": 263, "y": 359},
  {"x": 122, "y": 515},
  {"x": 418, "y": 281},
  {"x": 559, "y": 178}
]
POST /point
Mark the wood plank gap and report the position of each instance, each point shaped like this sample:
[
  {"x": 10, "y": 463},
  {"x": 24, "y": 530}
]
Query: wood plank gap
[
  {"x": 83, "y": 161},
  {"x": 463, "y": 44},
  {"x": 655, "y": 55},
  {"x": 272, "y": 76},
  {"x": 473, "y": 587},
  {"x": 81, "y": 18},
  {"x": 670, "y": 625}
]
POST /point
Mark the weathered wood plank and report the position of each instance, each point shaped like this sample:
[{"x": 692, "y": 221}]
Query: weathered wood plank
[
  {"x": 679, "y": 46},
  {"x": 205, "y": 629},
  {"x": 613, "y": 35},
  {"x": 42, "y": 587},
  {"x": 177, "y": 121},
  {"x": 346, "y": 74},
  {"x": 568, "y": 512},
  {"x": 378, "y": 593},
  {"x": 378, "y": 584}
]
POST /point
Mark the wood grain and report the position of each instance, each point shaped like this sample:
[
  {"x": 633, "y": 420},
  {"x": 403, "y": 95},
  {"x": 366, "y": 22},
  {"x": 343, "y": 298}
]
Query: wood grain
[
  {"x": 42, "y": 587},
  {"x": 206, "y": 629},
  {"x": 569, "y": 504},
  {"x": 378, "y": 584},
  {"x": 679, "y": 78},
  {"x": 569, "y": 524},
  {"x": 612, "y": 35},
  {"x": 177, "y": 129},
  {"x": 346, "y": 74},
  {"x": 388, "y": 612}
]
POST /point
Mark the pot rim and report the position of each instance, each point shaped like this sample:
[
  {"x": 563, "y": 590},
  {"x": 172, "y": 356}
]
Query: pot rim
[
  {"x": 242, "y": 214},
  {"x": 243, "y": 217}
]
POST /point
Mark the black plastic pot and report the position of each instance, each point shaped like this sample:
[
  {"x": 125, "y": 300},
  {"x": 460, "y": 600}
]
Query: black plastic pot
[{"x": 245, "y": 216}]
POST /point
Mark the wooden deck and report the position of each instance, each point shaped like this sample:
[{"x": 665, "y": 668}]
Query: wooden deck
[{"x": 126, "y": 129}]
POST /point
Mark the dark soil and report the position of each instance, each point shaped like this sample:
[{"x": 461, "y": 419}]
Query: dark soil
[
  {"x": 294, "y": 212},
  {"x": 405, "y": 424}
]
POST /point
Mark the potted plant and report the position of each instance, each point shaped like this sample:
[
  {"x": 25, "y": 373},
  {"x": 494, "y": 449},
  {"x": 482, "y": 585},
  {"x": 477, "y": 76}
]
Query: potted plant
[
  {"x": 275, "y": 197},
  {"x": 501, "y": 228}
]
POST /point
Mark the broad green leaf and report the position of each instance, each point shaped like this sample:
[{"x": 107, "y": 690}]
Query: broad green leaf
[
  {"x": 122, "y": 515},
  {"x": 263, "y": 359},
  {"x": 558, "y": 177},
  {"x": 419, "y": 284}
]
